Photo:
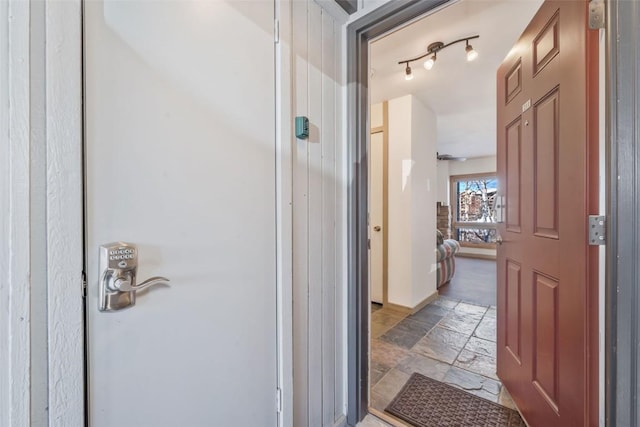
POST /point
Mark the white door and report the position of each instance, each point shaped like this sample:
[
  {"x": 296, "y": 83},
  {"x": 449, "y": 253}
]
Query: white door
[
  {"x": 180, "y": 154},
  {"x": 376, "y": 216}
]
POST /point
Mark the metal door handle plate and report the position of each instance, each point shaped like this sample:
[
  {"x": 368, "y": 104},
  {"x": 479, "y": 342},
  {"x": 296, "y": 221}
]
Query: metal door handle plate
[{"x": 118, "y": 266}]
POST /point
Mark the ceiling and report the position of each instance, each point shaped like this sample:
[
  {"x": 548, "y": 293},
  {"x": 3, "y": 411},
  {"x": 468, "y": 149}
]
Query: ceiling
[{"x": 461, "y": 93}]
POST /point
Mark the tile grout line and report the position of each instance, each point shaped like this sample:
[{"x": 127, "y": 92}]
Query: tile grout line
[{"x": 500, "y": 385}]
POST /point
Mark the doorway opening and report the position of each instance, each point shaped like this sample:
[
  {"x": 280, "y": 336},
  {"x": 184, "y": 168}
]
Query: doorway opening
[
  {"x": 432, "y": 202},
  {"x": 409, "y": 168}
]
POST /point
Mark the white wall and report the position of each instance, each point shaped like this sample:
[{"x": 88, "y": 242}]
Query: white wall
[
  {"x": 475, "y": 165},
  {"x": 411, "y": 203},
  {"x": 399, "y": 203},
  {"x": 424, "y": 193},
  {"x": 377, "y": 116},
  {"x": 443, "y": 181}
]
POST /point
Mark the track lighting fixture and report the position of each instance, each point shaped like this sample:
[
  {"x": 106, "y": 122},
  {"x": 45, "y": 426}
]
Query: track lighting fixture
[
  {"x": 432, "y": 52},
  {"x": 471, "y": 53},
  {"x": 429, "y": 63},
  {"x": 408, "y": 75}
]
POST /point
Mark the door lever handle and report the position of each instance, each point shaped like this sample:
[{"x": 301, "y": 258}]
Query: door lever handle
[
  {"x": 124, "y": 284},
  {"x": 118, "y": 264}
]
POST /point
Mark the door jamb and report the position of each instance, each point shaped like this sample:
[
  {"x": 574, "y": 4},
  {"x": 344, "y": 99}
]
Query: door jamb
[
  {"x": 55, "y": 33},
  {"x": 387, "y": 17},
  {"x": 42, "y": 67},
  {"x": 622, "y": 305}
]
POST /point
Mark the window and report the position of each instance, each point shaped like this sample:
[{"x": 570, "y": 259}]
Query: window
[{"x": 473, "y": 209}]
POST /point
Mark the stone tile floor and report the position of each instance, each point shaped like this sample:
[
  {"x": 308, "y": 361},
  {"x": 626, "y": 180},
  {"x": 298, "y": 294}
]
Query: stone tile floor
[{"x": 448, "y": 340}]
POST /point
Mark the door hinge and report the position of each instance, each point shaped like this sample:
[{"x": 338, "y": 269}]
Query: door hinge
[
  {"x": 596, "y": 14},
  {"x": 597, "y": 230},
  {"x": 276, "y": 31},
  {"x": 84, "y": 285},
  {"x": 279, "y": 399}
]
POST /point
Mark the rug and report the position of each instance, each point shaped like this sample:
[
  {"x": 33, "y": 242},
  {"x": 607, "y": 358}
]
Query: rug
[{"x": 424, "y": 402}]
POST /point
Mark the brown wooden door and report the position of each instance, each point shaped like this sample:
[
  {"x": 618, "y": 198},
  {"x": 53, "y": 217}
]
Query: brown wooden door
[{"x": 547, "y": 277}]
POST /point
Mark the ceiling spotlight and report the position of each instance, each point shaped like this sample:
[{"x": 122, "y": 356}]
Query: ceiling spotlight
[
  {"x": 408, "y": 75},
  {"x": 429, "y": 63},
  {"x": 471, "y": 53},
  {"x": 432, "y": 51}
]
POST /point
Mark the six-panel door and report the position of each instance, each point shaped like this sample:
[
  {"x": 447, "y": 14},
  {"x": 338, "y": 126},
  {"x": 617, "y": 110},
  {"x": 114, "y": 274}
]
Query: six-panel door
[{"x": 546, "y": 148}]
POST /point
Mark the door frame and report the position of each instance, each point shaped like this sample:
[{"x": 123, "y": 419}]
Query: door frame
[
  {"x": 621, "y": 155},
  {"x": 389, "y": 16},
  {"x": 623, "y": 226},
  {"x": 44, "y": 200}
]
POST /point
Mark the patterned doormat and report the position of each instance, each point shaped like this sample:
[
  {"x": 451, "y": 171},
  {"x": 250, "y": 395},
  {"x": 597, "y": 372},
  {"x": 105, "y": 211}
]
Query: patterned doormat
[{"x": 424, "y": 402}]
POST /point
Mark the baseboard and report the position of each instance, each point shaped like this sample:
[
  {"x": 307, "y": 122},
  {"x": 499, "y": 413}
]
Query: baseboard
[
  {"x": 401, "y": 309},
  {"x": 476, "y": 256},
  {"x": 431, "y": 298},
  {"x": 408, "y": 310}
]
